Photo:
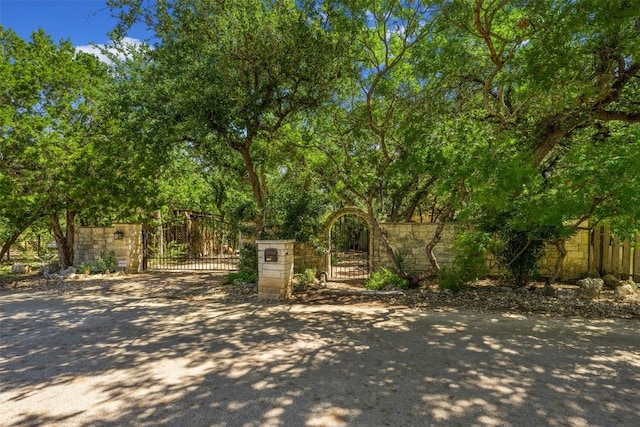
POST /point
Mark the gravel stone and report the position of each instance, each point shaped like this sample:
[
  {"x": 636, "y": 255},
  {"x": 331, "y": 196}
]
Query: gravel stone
[{"x": 485, "y": 296}]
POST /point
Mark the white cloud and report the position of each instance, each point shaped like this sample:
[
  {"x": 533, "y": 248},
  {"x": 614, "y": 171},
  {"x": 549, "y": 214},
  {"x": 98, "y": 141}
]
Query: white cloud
[{"x": 97, "y": 49}]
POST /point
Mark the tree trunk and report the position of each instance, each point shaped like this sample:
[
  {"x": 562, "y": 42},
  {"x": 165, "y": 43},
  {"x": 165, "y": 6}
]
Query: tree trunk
[
  {"x": 562, "y": 254},
  {"x": 64, "y": 239},
  {"x": 7, "y": 244},
  {"x": 437, "y": 236},
  {"x": 387, "y": 247},
  {"x": 256, "y": 186},
  {"x": 417, "y": 198}
]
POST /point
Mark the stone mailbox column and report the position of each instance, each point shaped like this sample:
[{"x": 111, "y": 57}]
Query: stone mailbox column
[{"x": 275, "y": 269}]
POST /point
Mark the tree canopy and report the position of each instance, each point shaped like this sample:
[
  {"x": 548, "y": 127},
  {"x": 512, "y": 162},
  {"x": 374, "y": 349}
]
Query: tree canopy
[{"x": 520, "y": 117}]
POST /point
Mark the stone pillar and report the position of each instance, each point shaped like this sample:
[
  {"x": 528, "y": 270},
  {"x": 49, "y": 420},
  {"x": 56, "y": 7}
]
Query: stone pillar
[{"x": 275, "y": 269}]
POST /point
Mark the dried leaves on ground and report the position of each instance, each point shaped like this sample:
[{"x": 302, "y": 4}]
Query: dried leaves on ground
[{"x": 484, "y": 296}]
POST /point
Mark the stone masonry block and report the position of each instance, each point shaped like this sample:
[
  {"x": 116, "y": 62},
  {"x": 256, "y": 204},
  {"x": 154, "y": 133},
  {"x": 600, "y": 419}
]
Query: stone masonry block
[{"x": 272, "y": 274}]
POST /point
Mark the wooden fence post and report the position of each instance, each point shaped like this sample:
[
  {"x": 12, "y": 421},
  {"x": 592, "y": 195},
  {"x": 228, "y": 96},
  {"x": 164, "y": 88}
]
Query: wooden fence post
[
  {"x": 636, "y": 259},
  {"x": 597, "y": 249},
  {"x": 606, "y": 250},
  {"x": 626, "y": 259},
  {"x": 615, "y": 256}
]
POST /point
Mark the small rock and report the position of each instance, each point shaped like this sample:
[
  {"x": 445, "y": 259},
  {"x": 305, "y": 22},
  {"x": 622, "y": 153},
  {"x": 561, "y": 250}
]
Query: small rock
[
  {"x": 610, "y": 281},
  {"x": 625, "y": 289},
  {"x": 548, "y": 291},
  {"x": 590, "y": 288},
  {"x": 67, "y": 271},
  {"x": 521, "y": 291},
  {"x": 505, "y": 289},
  {"x": 566, "y": 294},
  {"x": 20, "y": 268},
  {"x": 49, "y": 269},
  {"x": 594, "y": 274}
]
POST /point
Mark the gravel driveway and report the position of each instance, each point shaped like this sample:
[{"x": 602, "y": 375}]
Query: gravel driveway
[{"x": 112, "y": 360}]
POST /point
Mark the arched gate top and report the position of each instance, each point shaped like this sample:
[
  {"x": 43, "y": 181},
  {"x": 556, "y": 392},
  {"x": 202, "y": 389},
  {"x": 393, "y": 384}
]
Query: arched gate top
[{"x": 344, "y": 212}]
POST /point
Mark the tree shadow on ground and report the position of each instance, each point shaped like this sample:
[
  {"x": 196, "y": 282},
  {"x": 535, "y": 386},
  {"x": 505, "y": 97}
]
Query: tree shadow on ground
[{"x": 116, "y": 360}]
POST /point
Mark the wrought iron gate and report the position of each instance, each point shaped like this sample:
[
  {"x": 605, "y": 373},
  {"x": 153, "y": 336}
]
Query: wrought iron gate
[
  {"x": 191, "y": 241},
  {"x": 349, "y": 248}
]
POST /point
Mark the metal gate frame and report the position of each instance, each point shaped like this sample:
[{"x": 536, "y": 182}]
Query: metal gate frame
[
  {"x": 191, "y": 241},
  {"x": 350, "y": 248}
]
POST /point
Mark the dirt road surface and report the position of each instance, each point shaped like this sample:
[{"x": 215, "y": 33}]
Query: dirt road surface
[{"x": 117, "y": 359}]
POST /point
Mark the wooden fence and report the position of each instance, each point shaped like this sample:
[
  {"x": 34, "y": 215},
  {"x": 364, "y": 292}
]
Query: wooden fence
[{"x": 609, "y": 255}]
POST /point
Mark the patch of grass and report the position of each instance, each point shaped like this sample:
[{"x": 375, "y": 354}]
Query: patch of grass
[
  {"x": 384, "y": 279},
  {"x": 85, "y": 268},
  {"x": 307, "y": 276},
  {"x": 452, "y": 279}
]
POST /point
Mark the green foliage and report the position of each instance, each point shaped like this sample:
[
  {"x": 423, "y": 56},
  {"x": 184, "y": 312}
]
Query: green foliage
[
  {"x": 240, "y": 278},
  {"x": 401, "y": 260},
  {"x": 175, "y": 249},
  {"x": 229, "y": 77},
  {"x": 48, "y": 260},
  {"x": 247, "y": 266},
  {"x": 451, "y": 279},
  {"x": 107, "y": 262},
  {"x": 470, "y": 262},
  {"x": 64, "y": 149},
  {"x": 295, "y": 214},
  {"x": 86, "y": 268},
  {"x": 321, "y": 246},
  {"x": 384, "y": 279},
  {"x": 284, "y": 108},
  {"x": 307, "y": 276},
  {"x": 248, "y": 258},
  {"x": 519, "y": 254}
]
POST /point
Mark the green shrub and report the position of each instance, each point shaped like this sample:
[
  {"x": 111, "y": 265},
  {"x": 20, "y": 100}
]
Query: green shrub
[
  {"x": 519, "y": 255},
  {"x": 451, "y": 279},
  {"x": 248, "y": 258},
  {"x": 469, "y": 264},
  {"x": 85, "y": 268},
  {"x": 247, "y": 266},
  {"x": 401, "y": 259},
  {"x": 240, "y": 277},
  {"x": 48, "y": 261},
  {"x": 106, "y": 262},
  {"x": 307, "y": 276},
  {"x": 385, "y": 279}
]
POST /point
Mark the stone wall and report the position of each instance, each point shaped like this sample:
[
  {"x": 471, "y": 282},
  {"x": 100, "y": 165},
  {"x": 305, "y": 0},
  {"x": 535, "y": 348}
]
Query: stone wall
[
  {"x": 576, "y": 262},
  {"x": 91, "y": 241},
  {"x": 306, "y": 256},
  {"x": 410, "y": 239}
]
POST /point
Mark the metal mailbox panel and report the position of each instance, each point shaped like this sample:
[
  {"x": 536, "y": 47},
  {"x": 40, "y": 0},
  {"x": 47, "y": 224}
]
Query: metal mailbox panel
[{"x": 270, "y": 255}]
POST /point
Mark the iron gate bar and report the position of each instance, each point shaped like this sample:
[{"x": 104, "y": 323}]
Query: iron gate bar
[
  {"x": 349, "y": 248},
  {"x": 191, "y": 241}
]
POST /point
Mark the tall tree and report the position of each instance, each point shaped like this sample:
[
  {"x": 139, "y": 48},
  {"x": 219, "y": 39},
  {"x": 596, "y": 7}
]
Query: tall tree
[
  {"x": 234, "y": 73},
  {"x": 381, "y": 136},
  {"x": 555, "y": 80},
  {"x": 62, "y": 154}
]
